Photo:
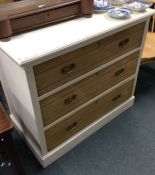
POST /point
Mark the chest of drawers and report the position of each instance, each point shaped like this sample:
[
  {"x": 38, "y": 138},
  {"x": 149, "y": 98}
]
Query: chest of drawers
[{"x": 62, "y": 89}]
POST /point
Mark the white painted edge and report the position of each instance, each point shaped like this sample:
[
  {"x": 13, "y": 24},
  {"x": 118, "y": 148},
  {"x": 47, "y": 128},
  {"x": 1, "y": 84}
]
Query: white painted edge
[
  {"x": 36, "y": 106},
  {"x": 59, "y": 151}
]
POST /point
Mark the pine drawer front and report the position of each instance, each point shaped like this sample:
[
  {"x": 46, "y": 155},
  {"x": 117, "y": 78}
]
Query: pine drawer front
[
  {"x": 77, "y": 121},
  {"x": 71, "y": 97},
  {"x": 60, "y": 70}
]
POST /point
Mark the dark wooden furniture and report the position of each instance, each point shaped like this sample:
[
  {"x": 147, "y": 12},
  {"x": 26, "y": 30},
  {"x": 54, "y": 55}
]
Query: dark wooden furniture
[
  {"x": 7, "y": 142},
  {"x": 19, "y": 16}
]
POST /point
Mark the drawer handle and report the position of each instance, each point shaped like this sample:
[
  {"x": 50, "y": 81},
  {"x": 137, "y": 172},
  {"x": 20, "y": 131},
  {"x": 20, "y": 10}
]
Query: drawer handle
[
  {"x": 72, "y": 126},
  {"x": 120, "y": 71},
  {"x": 70, "y": 99},
  {"x": 68, "y": 69},
  {"x": 116, "y": 98},
  {"x": 123, "y": 42}
]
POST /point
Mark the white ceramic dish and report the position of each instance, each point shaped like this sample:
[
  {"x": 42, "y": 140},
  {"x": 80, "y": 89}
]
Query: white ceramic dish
[
  {"x": 119, "y": 13},
  {"x": 101, "y": 6},
  {"x": 138, "y": 6}
]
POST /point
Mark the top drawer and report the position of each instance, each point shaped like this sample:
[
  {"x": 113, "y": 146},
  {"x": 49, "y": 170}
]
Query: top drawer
[{"x": 60, "y": 70}]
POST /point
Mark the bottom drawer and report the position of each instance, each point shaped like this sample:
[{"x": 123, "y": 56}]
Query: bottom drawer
[{"x": 77, "y": 121}]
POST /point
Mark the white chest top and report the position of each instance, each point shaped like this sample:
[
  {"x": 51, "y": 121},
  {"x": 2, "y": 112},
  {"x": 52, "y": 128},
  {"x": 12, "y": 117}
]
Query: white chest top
[{"x": 66, "y": 36}]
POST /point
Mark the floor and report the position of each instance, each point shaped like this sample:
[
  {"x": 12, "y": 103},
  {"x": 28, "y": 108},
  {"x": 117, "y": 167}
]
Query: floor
[{"x": 125, "y": 146}]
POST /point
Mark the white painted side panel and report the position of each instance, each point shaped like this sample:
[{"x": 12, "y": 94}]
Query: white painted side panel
[{"x": 17, "y": 93}]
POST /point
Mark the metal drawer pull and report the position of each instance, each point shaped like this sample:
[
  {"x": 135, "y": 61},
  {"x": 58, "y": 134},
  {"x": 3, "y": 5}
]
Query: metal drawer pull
[
  {"x": 70, "y": 99},
  {"x": 117, "y": 97},
  {"x": 72, "y": 126},
  {"x": 68, "y": 69},
  {"x": 120, "y": 71},
  {"x": 124, "y": 42}
]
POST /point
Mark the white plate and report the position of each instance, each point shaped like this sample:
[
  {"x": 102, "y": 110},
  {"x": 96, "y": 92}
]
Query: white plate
[
  {"x": 138, "y": 6},
  {"x": 127, "y": 9},
  {"x": 119, "y": 13},
  {"x": 101, "y": 5}
]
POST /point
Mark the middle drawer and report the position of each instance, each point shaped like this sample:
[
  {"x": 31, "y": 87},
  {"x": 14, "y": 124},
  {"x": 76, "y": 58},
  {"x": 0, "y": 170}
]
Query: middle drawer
[{"x": 59, "y": 104}]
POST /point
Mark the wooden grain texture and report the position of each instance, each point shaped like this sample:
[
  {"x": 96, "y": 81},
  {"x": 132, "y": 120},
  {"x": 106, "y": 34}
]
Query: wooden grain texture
[
  {"x": 71, "y": 125},
  {"x": 27, "y": 22},
  {"x": 28, "y": 6},
  {"x": 71, "y": 97},
  {"x": 152, "y": 1},
  {"x": 51, "y": 74},
  {"x": 25, "y": 15},
  {"x": 5, "y": 1},
  {"x": 149, "y": 48},
  {"x": 5, "y": 123}
]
